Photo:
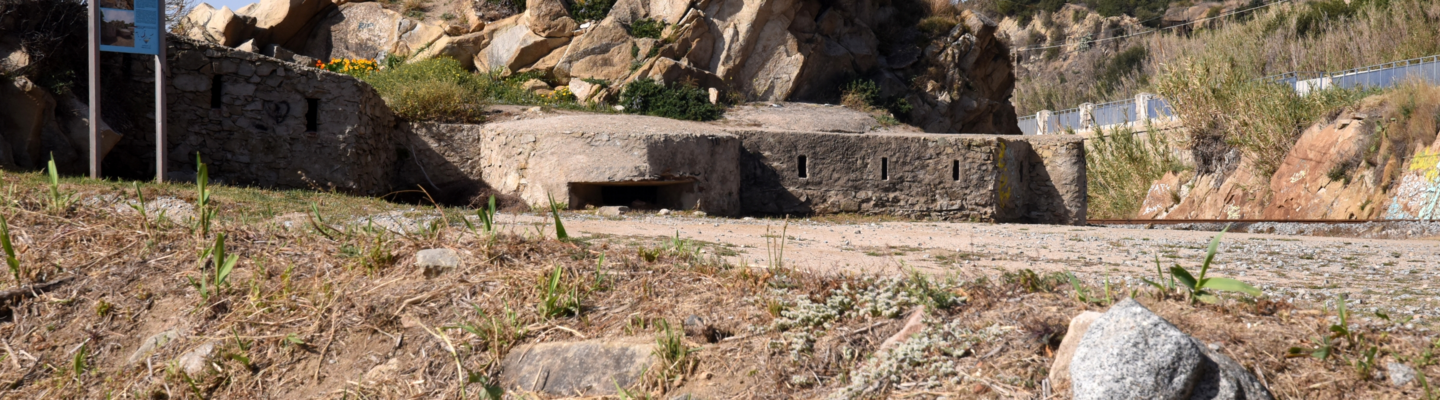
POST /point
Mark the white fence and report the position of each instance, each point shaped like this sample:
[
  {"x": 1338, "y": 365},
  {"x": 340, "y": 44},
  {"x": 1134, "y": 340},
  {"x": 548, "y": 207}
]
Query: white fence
[{"x": 1149, "y": 108}]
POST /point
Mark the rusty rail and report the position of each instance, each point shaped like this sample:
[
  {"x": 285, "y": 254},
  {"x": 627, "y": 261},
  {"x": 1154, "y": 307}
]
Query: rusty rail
[{"x": 1244, "y": 221}]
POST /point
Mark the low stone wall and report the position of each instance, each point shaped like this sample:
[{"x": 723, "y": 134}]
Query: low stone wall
[
  {"x": 967, "y": 177},
  {"x": 256, "y": 120}
]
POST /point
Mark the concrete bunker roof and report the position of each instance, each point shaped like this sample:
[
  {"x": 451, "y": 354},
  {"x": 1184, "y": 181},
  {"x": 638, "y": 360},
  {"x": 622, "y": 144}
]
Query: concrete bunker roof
[{"x": 611, "y": 124}]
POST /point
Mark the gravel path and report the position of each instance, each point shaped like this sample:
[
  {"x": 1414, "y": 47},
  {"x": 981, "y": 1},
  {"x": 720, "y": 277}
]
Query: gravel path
[{"x": 1401, "y": 277}]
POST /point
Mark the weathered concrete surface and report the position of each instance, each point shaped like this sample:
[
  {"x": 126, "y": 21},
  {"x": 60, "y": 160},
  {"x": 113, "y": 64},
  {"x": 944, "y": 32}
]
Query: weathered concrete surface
[
  {"x": 588, "y": 368},
  {"x": 975, "y": 177},
  {"x": 568, "y": 157}
]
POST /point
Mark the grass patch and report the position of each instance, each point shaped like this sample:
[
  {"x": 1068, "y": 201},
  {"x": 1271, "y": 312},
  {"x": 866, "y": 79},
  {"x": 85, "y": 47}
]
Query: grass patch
[
  {"x": 437, "y": 89},
  {"x": 1120, "y": 166},
  {"x": 590, "y": 10},
  {"x": 647, "y": 28}
]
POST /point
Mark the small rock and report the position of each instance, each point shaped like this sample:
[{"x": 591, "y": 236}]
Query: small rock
[
  {"x": 587, "y": 368},
  {"x": 613, "y": 211},
  {"x": 1060, "y": 368},
  {"x": 534, "y": 85},
  {"x": 664, "y": 211},
  {"x": 619, "y": 108},
  {"x": 152, "y": 344},
  {"x": 197, "y": 360},
  {"x": 702, "y": 213},
  {"x": 1400, "y": 374},
  {"x": 436, "y": 261},
  {"x": 383, "y": 373},
  {"x": 535, "y": 109}
]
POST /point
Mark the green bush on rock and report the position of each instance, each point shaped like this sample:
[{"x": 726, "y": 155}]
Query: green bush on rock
[{"x": 645, "y": 96}]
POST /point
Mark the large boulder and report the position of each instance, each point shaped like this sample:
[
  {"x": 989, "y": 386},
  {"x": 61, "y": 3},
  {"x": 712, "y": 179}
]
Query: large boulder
[
  {"x": 603, "y": 52},
  {"x": 549, "y": 18},
  {"x": 1131, "y": 353},
  {"x": 27, "y": 108},
  {"x": 515, "y": 47},
  {"x": 970, "y": 91},
  {"x": 369, "y": 31},
  {"x": 227, "y": 28},
  {"x": 287, "y": 22}
]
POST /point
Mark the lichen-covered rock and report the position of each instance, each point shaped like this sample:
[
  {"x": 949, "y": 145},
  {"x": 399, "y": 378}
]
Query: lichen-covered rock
[{"x": 1131, "y": 353}]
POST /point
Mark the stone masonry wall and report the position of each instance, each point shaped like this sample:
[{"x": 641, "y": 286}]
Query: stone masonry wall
[
  {"x": 974, "y": 177},
  {"x": 258, "y": 128}
]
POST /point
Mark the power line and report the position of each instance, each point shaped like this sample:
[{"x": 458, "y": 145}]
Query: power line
[{"x": 1152, "y": 30}]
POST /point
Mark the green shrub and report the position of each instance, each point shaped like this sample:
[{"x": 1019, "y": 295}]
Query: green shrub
[
  {"x": 589, "y": 10},
  {"x": 645, "y": 96},
  {"x": 647, "y": 28},
  {"x": 937, "y": 25},
  {"x": 437, "y": 89}
]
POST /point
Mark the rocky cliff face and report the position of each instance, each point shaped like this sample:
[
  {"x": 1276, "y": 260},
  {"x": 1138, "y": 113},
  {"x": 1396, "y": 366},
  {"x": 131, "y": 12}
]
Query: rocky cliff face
[
  {"x": 1326, "y": 175},
  {"x": 957, "y": 79}
]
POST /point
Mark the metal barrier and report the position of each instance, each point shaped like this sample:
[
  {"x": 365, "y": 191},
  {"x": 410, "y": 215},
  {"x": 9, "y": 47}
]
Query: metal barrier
[{"x": 1127, "y": 111}]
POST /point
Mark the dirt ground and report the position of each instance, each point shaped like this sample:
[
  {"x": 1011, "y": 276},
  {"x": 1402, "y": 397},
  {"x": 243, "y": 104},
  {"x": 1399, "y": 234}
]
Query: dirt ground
[
  {"x": 1394, "y": 276},
  {"x": 327, "y": 299}
]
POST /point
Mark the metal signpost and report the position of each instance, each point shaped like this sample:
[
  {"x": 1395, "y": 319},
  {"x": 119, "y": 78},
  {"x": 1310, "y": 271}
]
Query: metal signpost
[{"x": 127, "y": 26}]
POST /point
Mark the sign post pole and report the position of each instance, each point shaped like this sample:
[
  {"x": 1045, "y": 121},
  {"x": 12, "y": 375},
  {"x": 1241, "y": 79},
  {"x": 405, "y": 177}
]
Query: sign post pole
[
  {"x": 135, "y": 27},
  {"x": 160, "y": 105},
  {"x": 94, "y": 88}
]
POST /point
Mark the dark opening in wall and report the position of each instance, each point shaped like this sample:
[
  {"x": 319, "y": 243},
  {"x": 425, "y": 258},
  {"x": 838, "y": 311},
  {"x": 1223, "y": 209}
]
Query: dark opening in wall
[
  {"x": 217, "y": 87},
  {"x": 884, "y": 168},
  {"x": 955, "y": 170},
  {"x": 802, "y": 166},
  {"x": 674, "y": 195},
  {"x": 312, "y": 115}
]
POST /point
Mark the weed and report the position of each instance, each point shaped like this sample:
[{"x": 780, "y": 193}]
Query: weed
[
  {"x": 559, "y": 226},
  {"x": 555, "y": 301},
  {"x": 80, "y": 364},
  {"x": 670, "y": 348},
  {"x": 1329, "y": 346},
  {"x": 775, "y": 246},
  {"x": 59, "y": 200},
  {"x": 318, "y": 222},
  {"x": 647, "y": 28},
  {"x": 10, "y": 259},
  {"x": 141, "y": 206},
  {"x": 1199, "y": 287},
  {"x": 103, "y": 308},
  {"x": 223, "y": 264},
  {"x": 933, "y": 295},
  {"x": 205, "y": 212},
  {"x": 645, "y": 96}
]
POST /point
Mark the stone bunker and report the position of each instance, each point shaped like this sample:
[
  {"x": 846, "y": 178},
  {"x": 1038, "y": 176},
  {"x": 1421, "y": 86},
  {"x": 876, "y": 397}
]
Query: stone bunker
[{"x": 262, "y": 121}]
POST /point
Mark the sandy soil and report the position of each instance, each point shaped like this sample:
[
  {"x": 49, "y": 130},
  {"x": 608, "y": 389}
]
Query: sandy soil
[{"x": 1393, "y": 275}]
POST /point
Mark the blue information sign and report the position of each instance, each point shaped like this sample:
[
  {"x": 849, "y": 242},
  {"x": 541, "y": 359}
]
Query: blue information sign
[{"x": 131, "y": 26}]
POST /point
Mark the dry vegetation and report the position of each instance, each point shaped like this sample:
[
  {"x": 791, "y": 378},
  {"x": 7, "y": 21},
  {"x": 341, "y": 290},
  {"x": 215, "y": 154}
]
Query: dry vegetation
[{"x": 325, "y": 301}]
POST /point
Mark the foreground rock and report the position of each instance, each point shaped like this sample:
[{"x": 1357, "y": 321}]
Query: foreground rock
[
  {"x": 1131, "y": 353},
  {"x": 588, "y": 368}
]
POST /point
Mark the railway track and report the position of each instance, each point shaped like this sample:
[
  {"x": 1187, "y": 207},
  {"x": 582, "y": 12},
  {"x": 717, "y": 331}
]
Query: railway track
[{"x": 1246, "y": 221}]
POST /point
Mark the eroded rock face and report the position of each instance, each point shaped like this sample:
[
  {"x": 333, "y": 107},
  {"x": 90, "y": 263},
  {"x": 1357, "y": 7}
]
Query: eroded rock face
[{"x": 1131, "y": 353}]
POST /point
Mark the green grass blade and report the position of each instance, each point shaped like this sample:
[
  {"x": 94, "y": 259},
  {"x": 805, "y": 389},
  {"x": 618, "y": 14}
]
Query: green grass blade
[
  {"x": 1184, "y": 277},
  {"x": 559, "y": 226},
  {"x": 10, "y": 259},
  {"x": 1229, "y": 285},
  {"x": 1210, "y": 253}
]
